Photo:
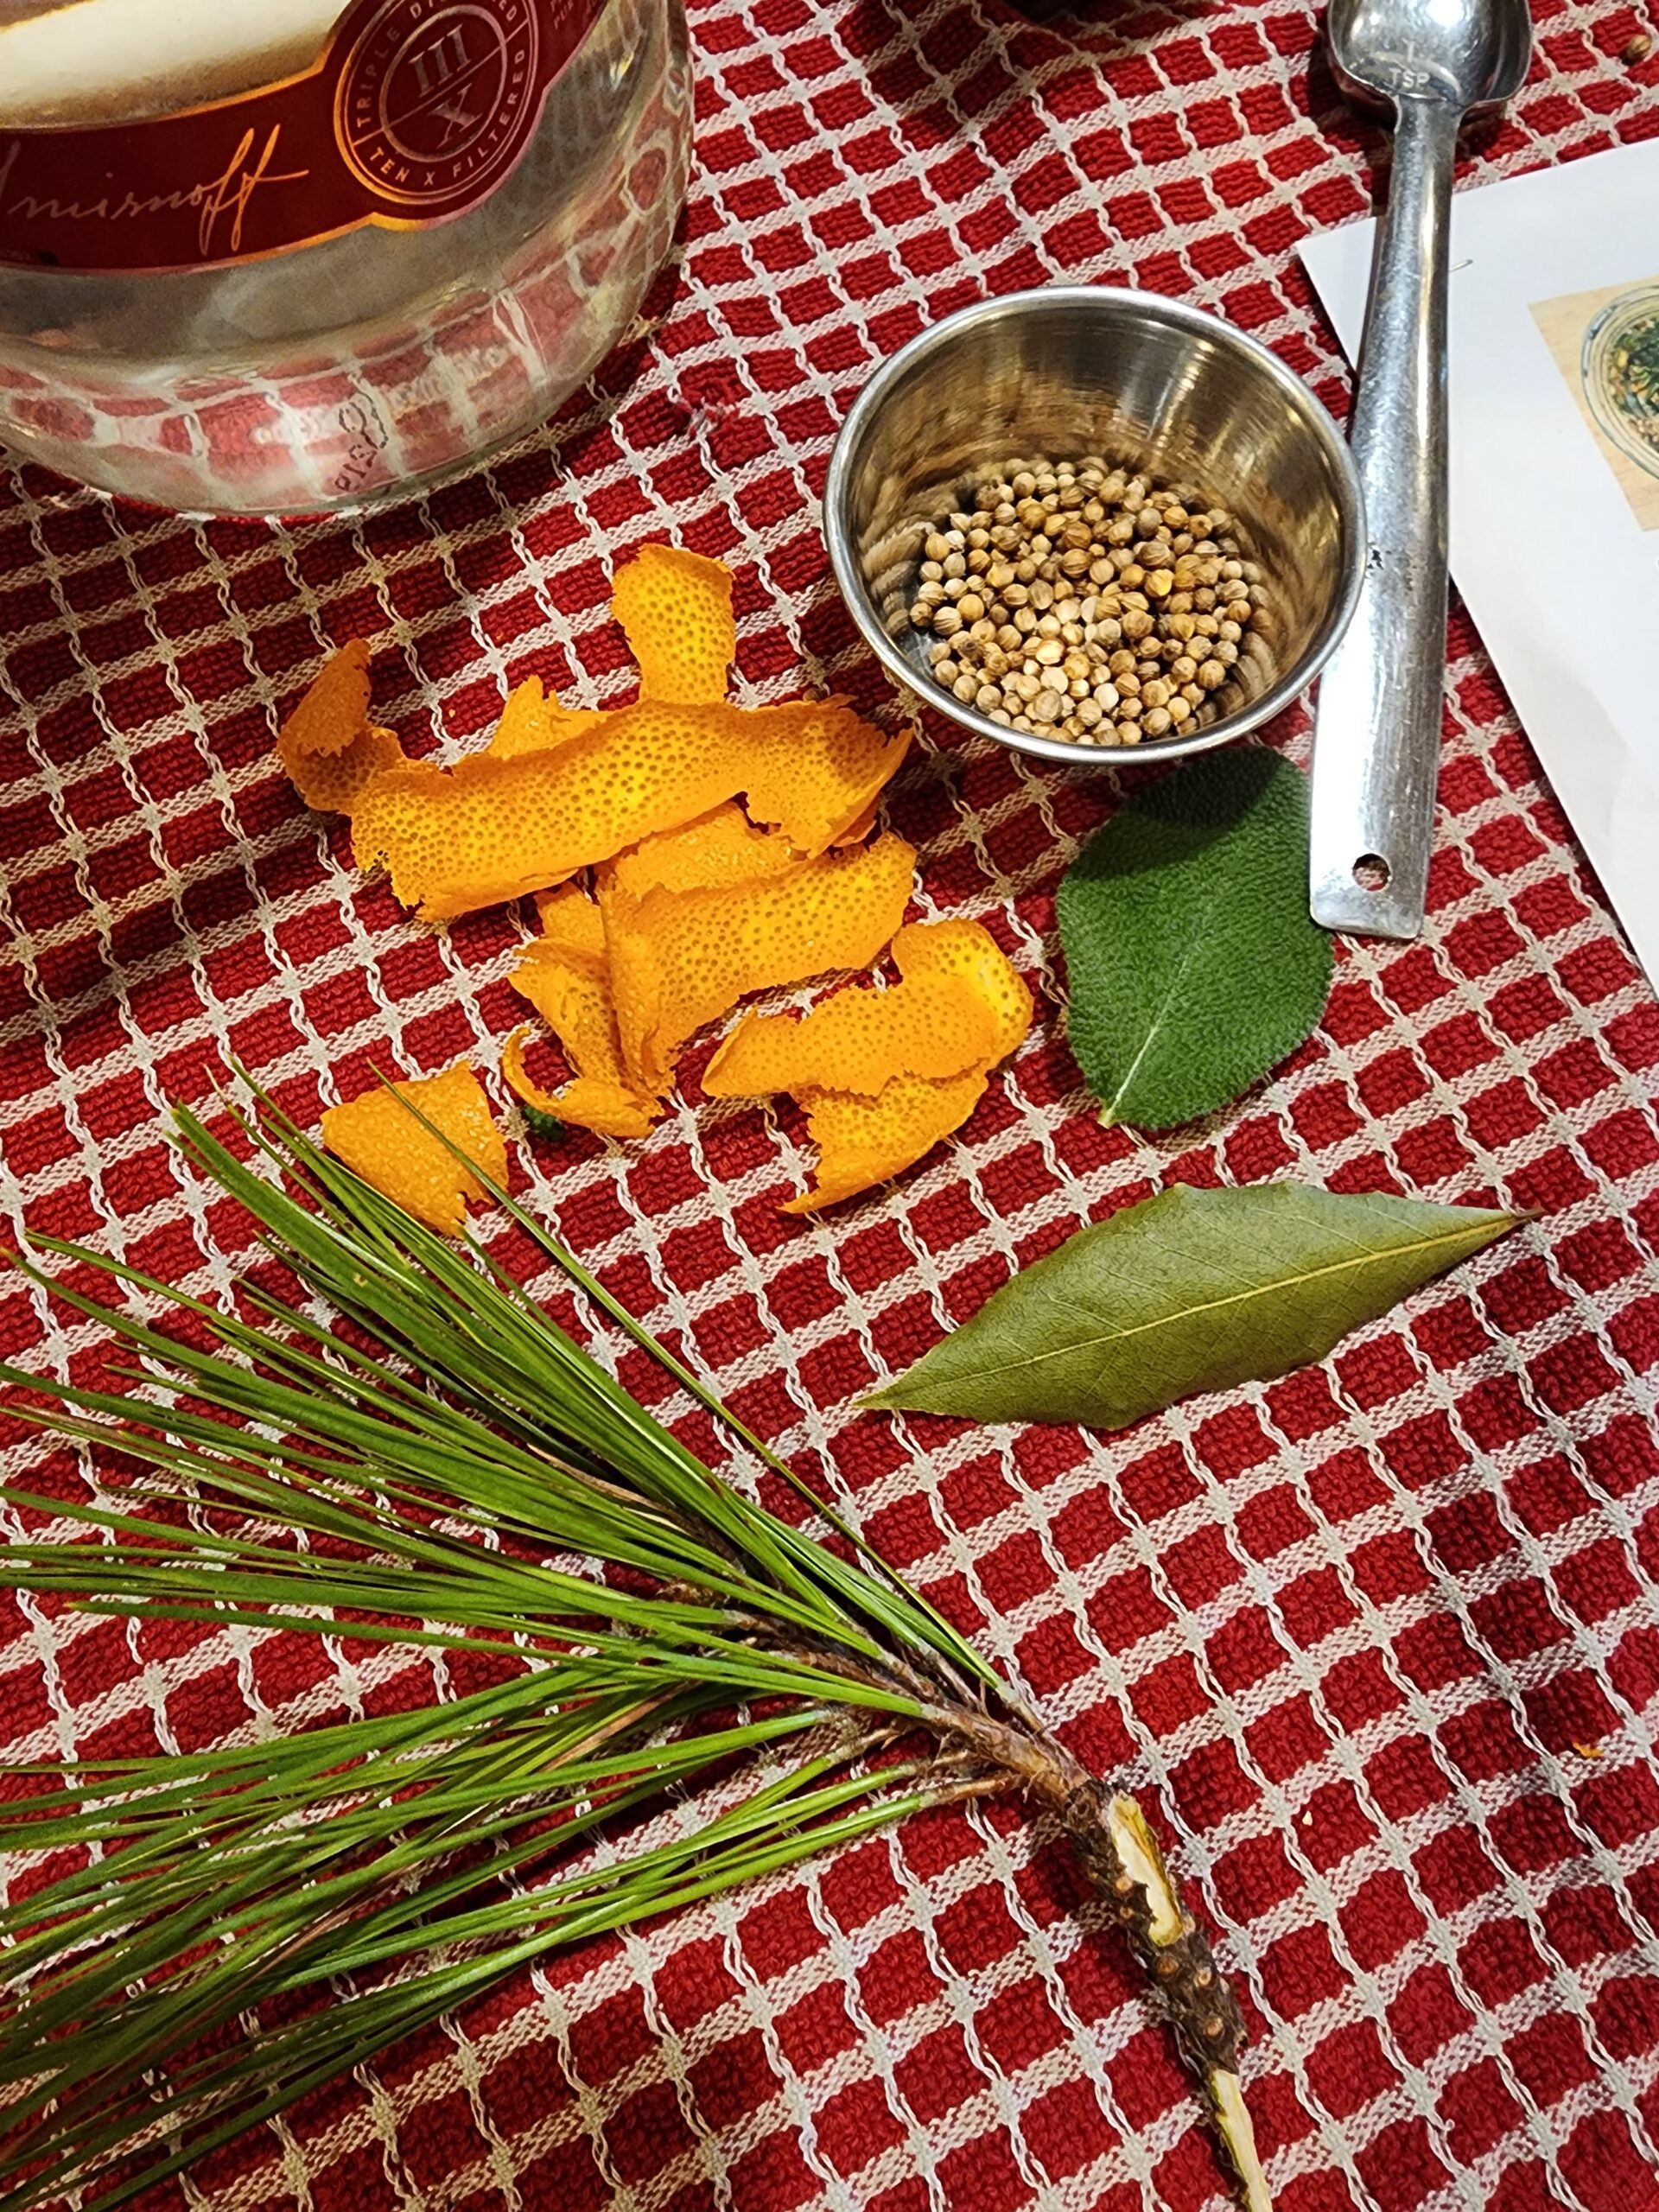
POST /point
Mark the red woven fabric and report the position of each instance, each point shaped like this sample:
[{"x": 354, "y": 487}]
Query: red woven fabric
[{"x": 1379, "y": 1642}]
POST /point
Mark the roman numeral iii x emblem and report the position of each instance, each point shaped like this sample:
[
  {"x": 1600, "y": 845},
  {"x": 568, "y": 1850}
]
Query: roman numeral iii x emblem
[{"x": 438, "y": 66}]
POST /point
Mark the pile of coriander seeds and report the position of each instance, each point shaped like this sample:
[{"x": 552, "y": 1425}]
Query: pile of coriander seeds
[{"x": 1080, "y": 601}]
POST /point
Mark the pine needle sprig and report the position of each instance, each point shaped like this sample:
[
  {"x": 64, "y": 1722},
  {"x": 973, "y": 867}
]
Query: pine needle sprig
[{"x": 385, "y": 1438}]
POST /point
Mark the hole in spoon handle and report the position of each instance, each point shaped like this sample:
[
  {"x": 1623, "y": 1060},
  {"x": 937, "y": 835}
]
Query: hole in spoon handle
[{"x": 1365, "y": 895}]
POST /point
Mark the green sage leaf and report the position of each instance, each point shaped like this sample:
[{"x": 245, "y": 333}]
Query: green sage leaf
[
  {"x": 1192, "y": 1290},
  {"x": 1194, "y": 965}
]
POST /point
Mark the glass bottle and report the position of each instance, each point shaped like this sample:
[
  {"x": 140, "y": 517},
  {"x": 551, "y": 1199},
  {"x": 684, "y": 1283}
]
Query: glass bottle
[{"x": 238, "y": 335}]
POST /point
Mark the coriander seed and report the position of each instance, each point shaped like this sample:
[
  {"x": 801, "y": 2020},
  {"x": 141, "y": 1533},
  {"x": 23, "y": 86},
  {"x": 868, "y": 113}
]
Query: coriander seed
[{"x": 1083, "y": 602}]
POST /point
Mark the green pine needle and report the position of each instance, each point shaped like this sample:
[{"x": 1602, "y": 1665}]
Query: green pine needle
[
  {"x": 449, "y": 1470},
  {"x": 385, "y": 1439}
]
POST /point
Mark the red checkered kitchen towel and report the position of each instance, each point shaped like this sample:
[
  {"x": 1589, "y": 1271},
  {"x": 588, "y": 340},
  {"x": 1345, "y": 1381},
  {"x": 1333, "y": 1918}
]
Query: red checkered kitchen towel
[{"x": 1378, "y": 1642}]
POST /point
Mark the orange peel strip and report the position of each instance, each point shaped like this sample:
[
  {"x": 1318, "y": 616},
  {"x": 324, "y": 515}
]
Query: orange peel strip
[
  {"x": 680, "y": 959},
  {"x": 381, "y": 1141},
  {"x": 676, "y": 609},
  {"x": 859, "y": 1041},
  {"x": 817, "y": 770},
  {"x": 573, "y": 930},
  {"x": 330, "y": 749},
  {"x": 954, "y": 1014},
  {"x": 575, "y": 1003},
  {"x": 532, "y": 722},
  {"x": 967, "y": 952},
  {"x": 333, "y": 782},
  {"x": 492, "y": 829},
  {"x": 721, "y": 847},
  {"x": 335, "y": 709},
  {"x": 587, "y": 1104},
  {"x": 863, "y": 1141}
]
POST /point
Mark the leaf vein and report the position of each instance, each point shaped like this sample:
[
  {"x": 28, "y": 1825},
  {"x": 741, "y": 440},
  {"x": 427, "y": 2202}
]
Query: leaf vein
[{"x": 1266, "y": 1287}]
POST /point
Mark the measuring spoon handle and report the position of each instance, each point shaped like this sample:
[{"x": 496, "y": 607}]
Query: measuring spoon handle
[{"x": 1377, "y": 731}]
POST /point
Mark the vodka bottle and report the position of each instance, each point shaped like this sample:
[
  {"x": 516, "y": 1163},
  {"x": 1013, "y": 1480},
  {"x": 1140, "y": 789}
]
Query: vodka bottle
[{"x": 305, "y": 256}]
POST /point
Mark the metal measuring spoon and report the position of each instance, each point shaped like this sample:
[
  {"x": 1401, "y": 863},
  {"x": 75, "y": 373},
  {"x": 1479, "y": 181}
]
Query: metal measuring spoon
[{"x": 1377, "y": 730}]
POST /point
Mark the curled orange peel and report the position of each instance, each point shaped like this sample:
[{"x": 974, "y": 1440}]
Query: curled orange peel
[
  {"x": 380, "y": 1139},
  {"x": 335, "y": 707},
  {"x": 559, "y": 790},
  {"x": 817, "y": 769},
  {"x": 966, "y": 952},
  {"x": 675, "y": 610},
  {"x": 884, "y": 1075},
  {"x": 864, "y": 1142},
  {"x": 586, "y": 1102},
  {"x": 333, "y": 782},
  {"x": 960, "y": 1008},
  {"x": 680, "y": 959},
  {"x": 491, "y": 830},
  {"x": 573, "y": 930},
  {"x": 721, "y": 847},
  {"x": 532, "y": 722},
  {"x": 330, "y": 749},
  {"x": 568, "y": 986}
]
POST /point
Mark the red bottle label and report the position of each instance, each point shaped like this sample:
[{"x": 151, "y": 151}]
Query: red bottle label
[{"x": 415, "y": 111}]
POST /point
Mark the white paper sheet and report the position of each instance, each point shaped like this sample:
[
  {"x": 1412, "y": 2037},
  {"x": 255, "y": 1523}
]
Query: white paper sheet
[{"x": 1554, "y": 527}]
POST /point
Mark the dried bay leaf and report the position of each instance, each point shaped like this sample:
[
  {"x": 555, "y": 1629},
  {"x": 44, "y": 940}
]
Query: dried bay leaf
[
  {"x": 1192, "y": 1290},
  {"x": 1194, "y": 965}
]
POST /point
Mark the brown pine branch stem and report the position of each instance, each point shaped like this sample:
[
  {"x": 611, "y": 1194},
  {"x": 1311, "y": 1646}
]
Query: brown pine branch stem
[
  {"x": 1117, "y": 1849},
  {"x": 1115, "y": 1846}
]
